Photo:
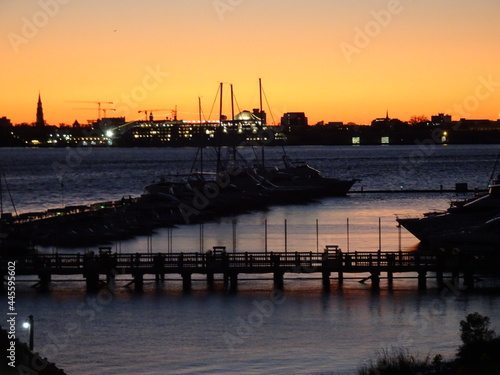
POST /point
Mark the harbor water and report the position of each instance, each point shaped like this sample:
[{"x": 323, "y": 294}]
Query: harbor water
[{"x": 257, "y": 330}]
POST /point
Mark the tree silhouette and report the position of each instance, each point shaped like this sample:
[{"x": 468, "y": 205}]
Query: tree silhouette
[
  {"x": 418, "y": 119},
  {"x": 475, "y": 329}
]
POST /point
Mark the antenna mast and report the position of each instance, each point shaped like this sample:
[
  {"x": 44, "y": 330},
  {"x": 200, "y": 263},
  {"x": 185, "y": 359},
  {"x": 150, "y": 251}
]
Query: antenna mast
[
  {"x": 220, "y": 131},
  {"x": 201, "y": 136},
  {"x": 261, "y": 122},
  {"x": 260, "y": 98}
]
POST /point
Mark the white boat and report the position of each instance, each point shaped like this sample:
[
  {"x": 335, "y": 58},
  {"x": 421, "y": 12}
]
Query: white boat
[{"x": 457, "y": 219}]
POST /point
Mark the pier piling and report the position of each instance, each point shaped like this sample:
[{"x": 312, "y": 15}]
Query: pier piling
[
  {"x": 469, "y": 279},
  {"x": 186, "y": 281},
  {"x": 92, "y": 282},
  {"x": 375, "y": 278},
  {"x": 278, "y": 280},
  {"x": 422, "y": 280},
  {"x": 326, "y": 280},
  {"x": 440, "y": 278},
  {"x": 233, "y": 281},
  {"x": 44, "y": 280},
  {"x": 390, "y": 277},
  {"x": 210, "y": 280},
  {"x": 139, "y": 282},
  {"x": 110, "y": 279}
]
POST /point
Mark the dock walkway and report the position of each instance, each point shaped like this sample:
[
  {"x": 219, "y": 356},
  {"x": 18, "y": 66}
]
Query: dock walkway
[{"x": 219, "y": 262}]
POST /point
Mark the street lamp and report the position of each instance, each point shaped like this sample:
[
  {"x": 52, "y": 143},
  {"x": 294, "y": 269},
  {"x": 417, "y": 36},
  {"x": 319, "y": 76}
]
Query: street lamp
[{"x": 31, "y": 326}]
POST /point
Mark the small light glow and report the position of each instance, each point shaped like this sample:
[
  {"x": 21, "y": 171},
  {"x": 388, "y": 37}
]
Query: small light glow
[
  {"x": 26, "y": 325},
  {"x": 109, "y": 134}
]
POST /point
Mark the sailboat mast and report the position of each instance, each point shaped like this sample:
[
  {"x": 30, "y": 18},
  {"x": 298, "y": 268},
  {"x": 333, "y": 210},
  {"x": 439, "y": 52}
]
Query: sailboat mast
[
  {"x": 233, "y": 138},
  {"x": 1, "y": 196},
  {"x": 261, "y": 120},
  {"x": 201, "y": 136},
  {"x": 260, "y": 98},
  {"x": 492, "y": 177},
  {"x": 232, "y": 105},
  {"x": 220, "y": 130}
]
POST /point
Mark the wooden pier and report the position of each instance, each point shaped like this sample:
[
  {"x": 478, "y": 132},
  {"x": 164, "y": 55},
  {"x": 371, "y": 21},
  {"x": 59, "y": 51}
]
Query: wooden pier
[{"x": 330, "y": 263}]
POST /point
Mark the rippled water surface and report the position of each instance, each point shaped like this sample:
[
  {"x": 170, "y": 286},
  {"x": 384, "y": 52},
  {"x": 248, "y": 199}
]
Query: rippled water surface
[{"x": 255, "y": 331}]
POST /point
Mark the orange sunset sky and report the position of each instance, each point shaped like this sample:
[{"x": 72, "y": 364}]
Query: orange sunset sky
[{"x": 342, "y": 60}]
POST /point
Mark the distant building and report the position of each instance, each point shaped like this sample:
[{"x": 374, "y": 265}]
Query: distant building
[
  {"x": 293, "y": 121},
  {"x": 247, "y": 127},
  {"x": 40, "y": 122},
  {"x": 382, "y": 120},
  {"x": 335, "y": 124},
  {"x": 245, "y": 121},
  {"x": 478, "y": 125},
  {"x": 387, "y": 123},
  {"x": 260, "y": 114},
  {"x": 441, "y": 119},
  {"x": 110, "y": 122}
]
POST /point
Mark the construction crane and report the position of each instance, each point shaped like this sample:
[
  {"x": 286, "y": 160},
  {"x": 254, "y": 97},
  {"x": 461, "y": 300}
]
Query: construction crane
[
  {"x": 102, "y": 109},
  {"x": 95, "y": 102},
  {"x": 174, "y": 113},
  {"x": 145, "y": 111}
]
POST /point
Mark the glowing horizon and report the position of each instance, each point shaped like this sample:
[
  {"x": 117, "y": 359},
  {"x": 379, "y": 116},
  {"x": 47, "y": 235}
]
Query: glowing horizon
[{"x": 345, "y": 61}]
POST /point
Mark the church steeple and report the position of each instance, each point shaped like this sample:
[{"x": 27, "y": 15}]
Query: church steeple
[{"x": 40, "y": 122}]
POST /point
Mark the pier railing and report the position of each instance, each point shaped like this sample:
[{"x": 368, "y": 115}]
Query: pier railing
[
  {"x": 218, "y": 261},
  {"x": 201, "y": 262}
]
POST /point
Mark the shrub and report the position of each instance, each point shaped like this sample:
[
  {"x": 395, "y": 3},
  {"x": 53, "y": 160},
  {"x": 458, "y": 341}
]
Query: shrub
[
  {"x": 478, "y": 343},
  {"x": 398, "y": 362},
  {"x": 474, "y": 329}
]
